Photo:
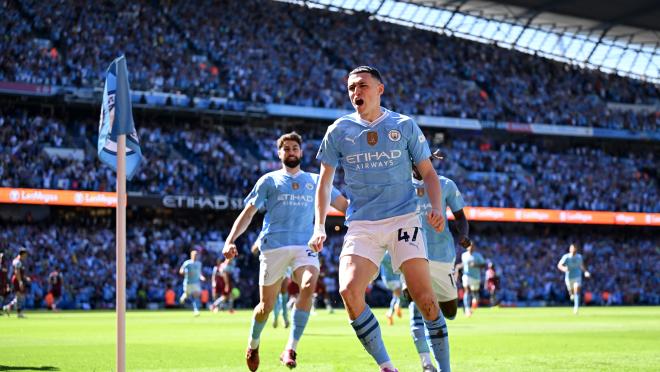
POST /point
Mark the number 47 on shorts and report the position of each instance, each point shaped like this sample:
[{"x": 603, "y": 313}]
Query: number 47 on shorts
[{"x": 403, "y": 234}]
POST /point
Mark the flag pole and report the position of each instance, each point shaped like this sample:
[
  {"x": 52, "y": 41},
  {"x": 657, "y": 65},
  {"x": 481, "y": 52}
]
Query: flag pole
[{"x": 121, "y": 253}]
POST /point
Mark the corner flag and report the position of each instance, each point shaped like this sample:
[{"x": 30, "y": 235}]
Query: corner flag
[
  {"x": 119, "y": 148},
  {"x": 117, "y": 119}
]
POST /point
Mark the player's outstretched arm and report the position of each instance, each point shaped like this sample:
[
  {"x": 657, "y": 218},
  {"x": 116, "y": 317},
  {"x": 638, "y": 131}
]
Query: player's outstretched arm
[
  {"x": 426, "y": 170},
  {"x": 239, "y": 227},
  {"x": 321, "y": 206}
]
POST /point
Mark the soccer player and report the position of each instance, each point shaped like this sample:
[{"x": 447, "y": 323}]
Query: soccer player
[
  {"x": 288, "y": 198},
  {"x": 222, "y": 285},
  {"x": 492, "y": 283},
  {"x": 471, "y": 262},
  {"x": 4, "y": 283},
  {"x": 442, "y": 255},
  {"x": 376, "y": 148},
  {"x": 19, "y": 281},
  {"x": 391, "y": 281},
  {"x": 572, "y": 264},
  {"x": 192, "y": 275},
  {"x": 55, "y": 282}
]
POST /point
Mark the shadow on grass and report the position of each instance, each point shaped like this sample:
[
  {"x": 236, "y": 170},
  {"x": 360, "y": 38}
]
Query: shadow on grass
[{"x": 20, "y": 368}]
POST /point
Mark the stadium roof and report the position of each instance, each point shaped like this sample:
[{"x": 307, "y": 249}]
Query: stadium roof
[
  {"x": 643, "y": 14},
  {"x": 615, "y": 36}
]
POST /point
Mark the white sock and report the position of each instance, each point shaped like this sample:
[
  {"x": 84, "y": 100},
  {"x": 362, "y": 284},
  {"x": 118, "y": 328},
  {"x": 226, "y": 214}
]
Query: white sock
[
  {"x": 425, "y": 358},
  {"x": 253, "y": 343},
  {"x": 292, "y": 344}
]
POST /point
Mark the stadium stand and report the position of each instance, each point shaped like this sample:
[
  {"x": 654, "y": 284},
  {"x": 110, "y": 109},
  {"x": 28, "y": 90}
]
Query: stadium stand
[
  {"x": 200, "y": 86},
  {"x": 205, "y": 161},
  {"x": 449, "y": 76}
]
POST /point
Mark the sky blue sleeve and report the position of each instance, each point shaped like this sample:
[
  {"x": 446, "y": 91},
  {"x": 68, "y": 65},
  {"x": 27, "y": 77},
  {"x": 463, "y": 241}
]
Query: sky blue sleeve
[
  {"x": 562, "y": 261},
  {"x": 417, "y": 144},
  {"x": 328, "y": 153},
  {"x": 259, "y": 193},
  {"x": 453, "y": 196}
]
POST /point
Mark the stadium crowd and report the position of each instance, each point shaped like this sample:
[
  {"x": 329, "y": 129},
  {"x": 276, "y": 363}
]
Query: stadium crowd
[
  {"x": 83, "y": 250},
  {"x": 256, "y": 51},
  {"x": 519, "y": 256},
  {"x": 225, "y": 160}
]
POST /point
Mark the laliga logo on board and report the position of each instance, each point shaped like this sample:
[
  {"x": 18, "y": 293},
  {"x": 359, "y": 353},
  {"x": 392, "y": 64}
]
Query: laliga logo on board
[
  {"x": 653, "y": 219},
  {"x": 43, "y": 197},
  {"x": 492, "y": 214},
  {"x": 99, "y": 199},
  {"x": 622, "y": 218},
  {"x": 536, "y": 215},
  {"x": 14, "y": 195},
  {"x": 78, "y": 198},
  {"x": 579, "y": 216}
]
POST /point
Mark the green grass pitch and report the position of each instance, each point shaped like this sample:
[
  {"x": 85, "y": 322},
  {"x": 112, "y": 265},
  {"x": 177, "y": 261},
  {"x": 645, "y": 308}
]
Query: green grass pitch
[{"x": 539, "y": 339}]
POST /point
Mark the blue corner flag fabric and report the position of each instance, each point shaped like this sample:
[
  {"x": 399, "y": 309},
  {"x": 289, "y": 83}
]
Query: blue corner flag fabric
[{"x": 117, "y": 118}]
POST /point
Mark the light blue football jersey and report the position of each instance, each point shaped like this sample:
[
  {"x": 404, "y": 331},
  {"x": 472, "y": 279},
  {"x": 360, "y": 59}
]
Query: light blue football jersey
[
  {"x": 377, "y": 159},
  {"x": 475, "y": 258},
  {"x": 289, "y": 204},
  {"x": 574, "y": 265},
  {"x": 386, "y": 272},
  {"x": 439, "y": 246},
  {"x": 192, "y": 270}
]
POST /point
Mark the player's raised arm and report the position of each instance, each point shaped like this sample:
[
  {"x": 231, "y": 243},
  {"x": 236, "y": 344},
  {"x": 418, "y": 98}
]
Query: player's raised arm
[
  {"x": 426, "y": 170},
  {"x": 239, "y": 227},
  {"x": 321, "y": 206}
]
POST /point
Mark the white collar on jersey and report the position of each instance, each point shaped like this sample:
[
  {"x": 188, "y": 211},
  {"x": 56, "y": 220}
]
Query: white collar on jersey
[
  {"x": 384, "y": 114},
  {"x": 293, "y": 175}
]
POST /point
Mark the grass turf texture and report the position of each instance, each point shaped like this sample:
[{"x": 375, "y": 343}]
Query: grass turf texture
[{"x": 540, "y": 339}]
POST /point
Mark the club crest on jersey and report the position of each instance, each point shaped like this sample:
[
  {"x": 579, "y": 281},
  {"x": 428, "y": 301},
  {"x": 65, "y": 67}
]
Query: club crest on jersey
[
  {"x": 295, "y": 185},
  {"x": 372, "y": 138},
  {"x": 309, "y": 186},
  {"x": 395, "y": 135},
  {"x": 420, "y": 191}
]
